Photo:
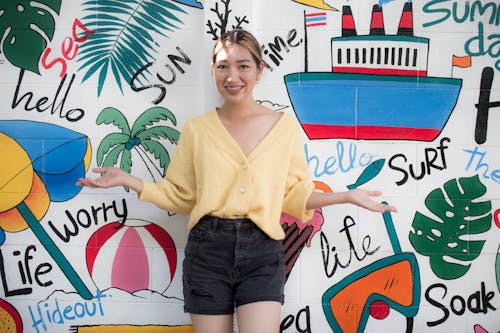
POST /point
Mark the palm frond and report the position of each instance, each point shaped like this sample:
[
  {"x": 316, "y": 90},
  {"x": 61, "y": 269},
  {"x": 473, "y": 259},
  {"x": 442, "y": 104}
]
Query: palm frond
[
  {"x": 112, "y": 158},
  {"x": 126, "y": 161},
  {"x": 123, "y": 36},
  {"x": 158, "y": 151},
  {"x": 113, "y": 115},
  {"x": 151, "y": 116},
  {"x": 108, "y": 142},
  {"x": 159, "y": 132}
]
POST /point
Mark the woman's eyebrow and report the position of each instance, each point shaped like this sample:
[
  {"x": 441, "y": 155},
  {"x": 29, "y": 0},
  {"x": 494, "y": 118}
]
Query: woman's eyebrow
[
  {"x": 238, "y": 61},
  {"x": 243, "y": 60}
]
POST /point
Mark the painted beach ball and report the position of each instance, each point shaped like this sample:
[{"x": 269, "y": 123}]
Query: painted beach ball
[{"x": 133, "y": 256}]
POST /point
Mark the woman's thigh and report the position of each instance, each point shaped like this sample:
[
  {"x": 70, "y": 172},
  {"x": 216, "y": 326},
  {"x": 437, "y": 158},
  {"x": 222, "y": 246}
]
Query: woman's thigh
[
  {"x": 259, "y": 317},
  {"x": 212, "y": 323}
]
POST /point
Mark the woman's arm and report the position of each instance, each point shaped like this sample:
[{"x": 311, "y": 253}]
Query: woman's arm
[{"x": 358, "y": 197}]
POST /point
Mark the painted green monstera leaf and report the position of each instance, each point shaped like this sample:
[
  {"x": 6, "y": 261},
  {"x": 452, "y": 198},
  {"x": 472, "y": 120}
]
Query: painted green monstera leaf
[
  {"x": 25, "y": 26},
  {"x": 444, "y": 238}
]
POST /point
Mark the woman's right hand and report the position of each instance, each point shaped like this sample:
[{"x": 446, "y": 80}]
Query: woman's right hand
[{"x": 111, "y": 177}]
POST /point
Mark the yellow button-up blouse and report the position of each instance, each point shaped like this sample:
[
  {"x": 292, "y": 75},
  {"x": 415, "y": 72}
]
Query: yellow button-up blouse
[{"x": 210, "y": 175}]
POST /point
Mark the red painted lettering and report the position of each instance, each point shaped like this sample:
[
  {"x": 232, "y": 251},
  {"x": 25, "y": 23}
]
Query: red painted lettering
[
  {"x": 80, "y": 25},
  {"x": 69, "y": 49}
]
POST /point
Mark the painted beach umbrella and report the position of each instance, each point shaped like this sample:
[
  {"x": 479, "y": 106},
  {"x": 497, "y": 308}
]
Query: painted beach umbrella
[
  {"x": 19, "y": 184},
  {"x": 58, "y": 155},
  {"x": 40, "y": 163},
  {"x": 137, "y": 255},
  {"x": 43, "y": 162}
]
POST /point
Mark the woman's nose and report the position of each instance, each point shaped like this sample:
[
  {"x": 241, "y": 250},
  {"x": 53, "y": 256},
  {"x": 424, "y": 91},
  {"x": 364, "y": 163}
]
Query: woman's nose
[{"x": 231, "y": 74}]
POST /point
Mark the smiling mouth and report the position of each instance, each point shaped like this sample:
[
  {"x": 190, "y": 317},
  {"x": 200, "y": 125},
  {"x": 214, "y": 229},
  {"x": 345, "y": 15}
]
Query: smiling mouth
[{"x": 233, "y": 89}]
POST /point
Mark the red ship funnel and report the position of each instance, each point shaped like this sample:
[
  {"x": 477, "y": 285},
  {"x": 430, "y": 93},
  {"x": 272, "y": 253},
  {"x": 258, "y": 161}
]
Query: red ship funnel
[
  {"x": 377, "y": 23},
  {"x": 348, "y": 27},
  {"x": 406, "y": 22}
]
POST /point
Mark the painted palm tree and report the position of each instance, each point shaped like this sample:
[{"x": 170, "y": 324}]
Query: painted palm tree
[{"x": 116, "y": 148}]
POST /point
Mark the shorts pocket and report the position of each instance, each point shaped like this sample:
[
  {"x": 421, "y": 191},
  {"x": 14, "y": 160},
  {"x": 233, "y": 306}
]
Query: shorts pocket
[{"x": 201, "y": 231}]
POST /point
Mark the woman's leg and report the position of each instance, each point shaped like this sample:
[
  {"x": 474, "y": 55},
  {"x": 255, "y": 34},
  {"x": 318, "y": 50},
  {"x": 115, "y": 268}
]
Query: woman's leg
[
  {"x": 212, "y": 323},
  {"x": 259, "y": 317}
]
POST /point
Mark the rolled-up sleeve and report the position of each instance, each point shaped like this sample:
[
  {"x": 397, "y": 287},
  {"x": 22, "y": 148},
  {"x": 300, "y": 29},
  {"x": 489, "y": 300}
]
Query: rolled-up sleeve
[
  {"x": 299, "y": 184},
  {"x": 177, "y": 191}
]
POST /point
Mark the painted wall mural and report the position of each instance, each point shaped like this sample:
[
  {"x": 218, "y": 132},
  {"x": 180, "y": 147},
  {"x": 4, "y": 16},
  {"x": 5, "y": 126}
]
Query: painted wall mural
[{"x": 397, "y": 95}]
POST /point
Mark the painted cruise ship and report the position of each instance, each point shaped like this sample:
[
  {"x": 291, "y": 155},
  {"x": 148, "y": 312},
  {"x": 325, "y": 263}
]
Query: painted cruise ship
[{"x": 378, "y": 86}]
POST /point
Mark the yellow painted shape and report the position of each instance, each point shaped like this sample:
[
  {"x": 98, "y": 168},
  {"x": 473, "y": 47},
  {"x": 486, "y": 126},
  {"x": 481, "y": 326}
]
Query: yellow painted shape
[
  {"x": 135, "y": 329},
  {"x": 38, "y": 202},
  {"x": 16, "y": 173},
  {"x": 7, "y": 324},
  {"x": 394, "y": 282},
  {"x": 88, "y": 156},
  {"x": 320, "y": 4}
]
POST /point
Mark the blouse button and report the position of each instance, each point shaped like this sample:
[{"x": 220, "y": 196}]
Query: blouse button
[
  {"x": 244, "y": 166},
  {"x": 242, "y": 189},
  {"x": 236, "y": 213}
]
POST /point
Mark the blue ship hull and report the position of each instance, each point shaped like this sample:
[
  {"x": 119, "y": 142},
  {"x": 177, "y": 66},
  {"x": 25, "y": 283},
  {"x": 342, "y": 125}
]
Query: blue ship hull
[{"x": 364, "y": 106}]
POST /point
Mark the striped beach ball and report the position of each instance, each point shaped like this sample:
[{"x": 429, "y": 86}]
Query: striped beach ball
[{"x": 133, "y": 256}]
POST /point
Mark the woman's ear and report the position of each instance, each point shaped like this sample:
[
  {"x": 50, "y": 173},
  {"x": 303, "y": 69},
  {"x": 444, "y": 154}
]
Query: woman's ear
[{"x": 260, "y": 67}]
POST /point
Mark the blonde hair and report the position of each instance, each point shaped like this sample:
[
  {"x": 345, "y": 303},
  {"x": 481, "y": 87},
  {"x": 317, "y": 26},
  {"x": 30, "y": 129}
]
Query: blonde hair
[{"x": 239, "y": 37}]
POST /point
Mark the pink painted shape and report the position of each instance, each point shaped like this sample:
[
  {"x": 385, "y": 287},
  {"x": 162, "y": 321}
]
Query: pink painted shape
[
  {"x": 96, "y": 241},
  {"x": 479, "y": 329},
  {"x": 130, "y": 270},
  {"x": 316, "y": 221}
]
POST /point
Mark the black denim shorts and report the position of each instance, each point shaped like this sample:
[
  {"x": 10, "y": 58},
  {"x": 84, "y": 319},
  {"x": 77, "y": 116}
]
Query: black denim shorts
[{"x": 229, "y": 263}]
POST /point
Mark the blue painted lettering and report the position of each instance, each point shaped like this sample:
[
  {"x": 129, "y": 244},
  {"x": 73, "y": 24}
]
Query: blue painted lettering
[
  {"x": 341, "y": 161},
  {"x": 478, "y": 164},
  {"x": 45, "y": 313}
]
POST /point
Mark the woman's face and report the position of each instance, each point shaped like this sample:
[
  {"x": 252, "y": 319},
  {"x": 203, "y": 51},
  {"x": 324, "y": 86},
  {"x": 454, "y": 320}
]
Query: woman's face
[{"x": 235, "y": 73}]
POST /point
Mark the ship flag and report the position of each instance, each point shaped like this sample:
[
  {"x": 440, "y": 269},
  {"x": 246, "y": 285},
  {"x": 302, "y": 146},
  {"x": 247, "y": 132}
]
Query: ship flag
[
  {"x": 464, "y": 62},
  {"x": 315, "y": 19},
  {"x": 311, "y": 20}
]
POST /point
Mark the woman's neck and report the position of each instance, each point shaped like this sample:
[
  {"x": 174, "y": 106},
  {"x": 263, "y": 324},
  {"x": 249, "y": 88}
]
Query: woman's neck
[{"x": 238, "y": 110}]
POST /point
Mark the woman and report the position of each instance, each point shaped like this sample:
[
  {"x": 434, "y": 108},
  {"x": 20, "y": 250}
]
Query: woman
[{"x": 234, "y": 170}]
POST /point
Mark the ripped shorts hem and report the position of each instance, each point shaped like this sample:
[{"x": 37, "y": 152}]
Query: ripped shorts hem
[
  {"x": 229, "y": 311},
  {"x": 280, "y": 299},
  {"x": 210, "y": 311}
]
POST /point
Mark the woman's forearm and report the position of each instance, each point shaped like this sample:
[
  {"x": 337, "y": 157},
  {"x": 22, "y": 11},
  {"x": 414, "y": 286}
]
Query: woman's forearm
[
  {"x": 322, "y": 199},
  {"x": 358, "y": 197},
  {"x": 134, "y": 183}
]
